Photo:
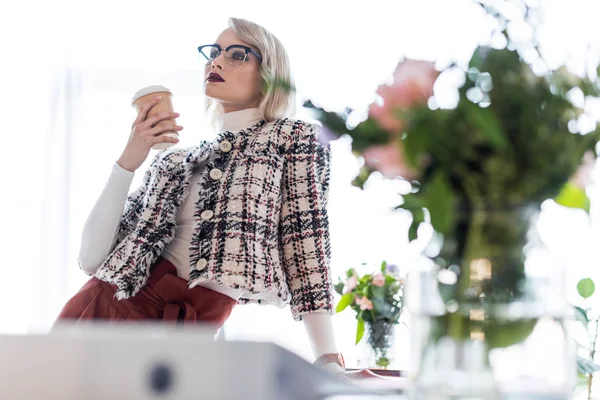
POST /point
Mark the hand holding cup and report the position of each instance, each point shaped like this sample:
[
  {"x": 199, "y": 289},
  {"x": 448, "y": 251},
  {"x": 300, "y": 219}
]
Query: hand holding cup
[{"x": 154, "y": 128}]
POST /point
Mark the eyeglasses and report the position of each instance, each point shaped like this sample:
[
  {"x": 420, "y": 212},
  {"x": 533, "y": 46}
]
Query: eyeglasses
[{"x": 235, "y": 54}]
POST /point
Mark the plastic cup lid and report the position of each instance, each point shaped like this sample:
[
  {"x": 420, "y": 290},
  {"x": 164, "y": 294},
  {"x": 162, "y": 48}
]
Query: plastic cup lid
[{"x": 148, "y": 90}]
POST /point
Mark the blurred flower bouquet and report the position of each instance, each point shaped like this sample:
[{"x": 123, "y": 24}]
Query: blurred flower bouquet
[
  {"x": 480, "y": 171},
  {"x": 519, "y": 135},
  {"x": 377, "y": 301}
]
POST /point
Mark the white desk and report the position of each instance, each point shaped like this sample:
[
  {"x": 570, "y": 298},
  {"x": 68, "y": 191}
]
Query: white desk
[{"x": 158, "y": 362}]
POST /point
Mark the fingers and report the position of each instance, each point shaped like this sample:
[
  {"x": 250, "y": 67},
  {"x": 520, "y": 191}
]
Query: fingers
[
  {"x": 161, "y": 116},
  {"x": 144, "y": 109},
  {"x": 163, "y": 139},
  {"x": 157, "y": 130}
]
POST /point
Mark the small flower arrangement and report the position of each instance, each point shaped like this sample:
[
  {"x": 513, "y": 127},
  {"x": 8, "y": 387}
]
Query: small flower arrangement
[{"x": 377, "y": 300}]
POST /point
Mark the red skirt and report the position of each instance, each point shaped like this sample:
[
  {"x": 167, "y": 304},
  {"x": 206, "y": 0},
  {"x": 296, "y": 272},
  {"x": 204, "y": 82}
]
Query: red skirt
[{"x": 165, "y": 297}]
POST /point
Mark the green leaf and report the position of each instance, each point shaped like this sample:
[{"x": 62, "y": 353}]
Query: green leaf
[
  {"x": 360, "y": 330},
  {"x": 417, "y": 143},
  {"x": 581, "y": 316},
  {"x": 366, "y": 134},
  {"x": 586, "y": 366},
  {"x": 389, "y": 280},
  {"x": 573, "y": 196},
  {"x": 418, "y": 218},
  {"x": 586, "y": 288},
  {"x": 382, "y": 307},
  {"x": 383, "y": 265},
  {"x": 363, "y": 176},
  {"x": 334, "y": 122},
  {"x": 345, "y": 301},
  {"x": 438, "y": 198},
  {"x": 339, "y": 288},
  {"x": 272, "y": 84},
  {"x": 383, "y": 362},
  {"x": 412, "y": 204},
  {"x": 486, "y": 121},
  {"x": 504, "y": 334},
  {"x": 582, "y": 378},
  {"x": 378, "y": 292}
]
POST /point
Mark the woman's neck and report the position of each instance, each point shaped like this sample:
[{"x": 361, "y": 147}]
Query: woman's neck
[{"x": 238, "y": 120}]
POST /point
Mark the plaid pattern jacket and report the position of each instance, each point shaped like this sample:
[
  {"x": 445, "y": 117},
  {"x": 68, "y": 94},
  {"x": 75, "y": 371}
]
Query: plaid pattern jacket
[{"x": 261, "y": 223}]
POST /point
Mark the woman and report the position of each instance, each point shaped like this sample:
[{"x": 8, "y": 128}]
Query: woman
[{"x": 239, "y": 219}]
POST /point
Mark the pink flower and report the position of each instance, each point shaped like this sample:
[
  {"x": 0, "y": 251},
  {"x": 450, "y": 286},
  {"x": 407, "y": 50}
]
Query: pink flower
[
  {"x": 379, "y": 280},
  {"x": 413, "y": 84},
  {"x": 364, "y": 303},
  {"x": 389, "y": 159},
  {"x": 419, "y": 71},
  {"x": 351, "y": 283}
]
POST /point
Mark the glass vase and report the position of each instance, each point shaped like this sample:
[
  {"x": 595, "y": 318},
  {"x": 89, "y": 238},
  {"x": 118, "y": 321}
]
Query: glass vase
[
  {"x": 377, "y": 347},
  {"x": 488, "y": 314}
]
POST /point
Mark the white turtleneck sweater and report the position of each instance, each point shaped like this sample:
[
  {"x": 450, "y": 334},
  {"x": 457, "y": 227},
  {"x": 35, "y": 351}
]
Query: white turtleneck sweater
[{"x": 100, "y": 230}]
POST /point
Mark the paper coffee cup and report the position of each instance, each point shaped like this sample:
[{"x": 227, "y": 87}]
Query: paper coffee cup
[{"x": 145, "y": 95}]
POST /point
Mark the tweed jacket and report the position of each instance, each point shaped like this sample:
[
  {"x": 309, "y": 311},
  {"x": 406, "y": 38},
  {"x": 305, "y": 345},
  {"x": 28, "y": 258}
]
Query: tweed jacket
[{"x": 260, "y": 225}]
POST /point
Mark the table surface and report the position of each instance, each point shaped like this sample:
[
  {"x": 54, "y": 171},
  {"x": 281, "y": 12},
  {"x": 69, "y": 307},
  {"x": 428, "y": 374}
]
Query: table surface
[{"x": 382, "y": 372}]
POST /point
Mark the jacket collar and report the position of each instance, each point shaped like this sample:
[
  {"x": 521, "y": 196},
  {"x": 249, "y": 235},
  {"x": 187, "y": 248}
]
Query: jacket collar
[
  {"x": 231, "y": 135},
  {"x": 202, "y": 151}
]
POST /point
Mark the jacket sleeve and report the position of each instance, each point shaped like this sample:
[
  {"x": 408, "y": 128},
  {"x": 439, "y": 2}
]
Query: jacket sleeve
[
  {"x": 131, "y": 213},
  {"x": 134, "y": 205},
  {"x": 304, "y": 223},
  {"x": 102, "y": 224}
]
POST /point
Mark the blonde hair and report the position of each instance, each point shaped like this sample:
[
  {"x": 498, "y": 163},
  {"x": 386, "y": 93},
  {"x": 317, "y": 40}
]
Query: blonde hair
[{"x": 279, "y": 96}]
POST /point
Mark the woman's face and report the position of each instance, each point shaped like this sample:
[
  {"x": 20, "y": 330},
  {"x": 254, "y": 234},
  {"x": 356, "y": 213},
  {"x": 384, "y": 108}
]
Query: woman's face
[{"x": 241, "y": 85}]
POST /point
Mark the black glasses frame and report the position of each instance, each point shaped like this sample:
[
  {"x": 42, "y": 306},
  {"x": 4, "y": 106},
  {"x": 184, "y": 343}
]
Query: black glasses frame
[{"x": 233, "y": 46}]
